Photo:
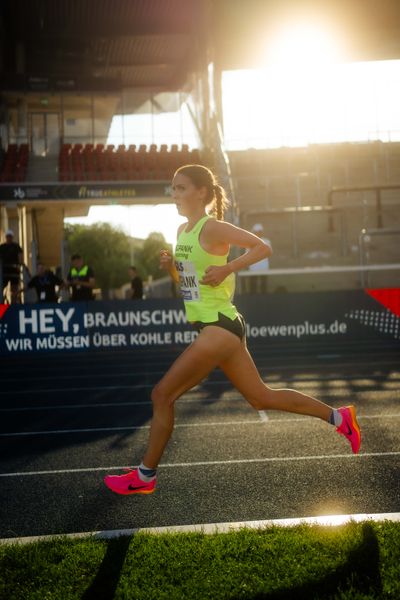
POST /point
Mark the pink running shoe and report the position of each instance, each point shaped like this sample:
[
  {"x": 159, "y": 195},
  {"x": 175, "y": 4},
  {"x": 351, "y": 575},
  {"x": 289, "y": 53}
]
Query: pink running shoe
[
  {"x": 129, "y": 484},
  {"x": 349, "y": 427}
]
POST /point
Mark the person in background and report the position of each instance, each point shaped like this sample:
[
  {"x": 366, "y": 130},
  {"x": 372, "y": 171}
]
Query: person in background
[
  {"x": 81, "y": 280},
  {"x": 136, "y": 284},
  {"x": 11, "y": 259},
  {"x": 44, "y": 283},
  {"x": 259, "y": 283}
]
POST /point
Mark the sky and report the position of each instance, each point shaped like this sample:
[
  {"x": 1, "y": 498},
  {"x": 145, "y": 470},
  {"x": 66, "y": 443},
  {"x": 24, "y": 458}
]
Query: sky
[
  {"x": 137, "y": 221},
  {"x": 305, "y": 94}
]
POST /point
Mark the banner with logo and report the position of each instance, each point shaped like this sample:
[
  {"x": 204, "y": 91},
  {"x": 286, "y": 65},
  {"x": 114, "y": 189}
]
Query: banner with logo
[
  {"x": 87, "y": 191},
  {"x": 275, "y": 320}
]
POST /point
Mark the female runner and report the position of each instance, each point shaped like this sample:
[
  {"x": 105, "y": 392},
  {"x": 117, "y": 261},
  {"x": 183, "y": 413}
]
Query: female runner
[{"x": 206, "y": 280}]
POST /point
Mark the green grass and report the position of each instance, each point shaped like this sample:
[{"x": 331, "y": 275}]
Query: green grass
[{"x": 355, "y": 561}]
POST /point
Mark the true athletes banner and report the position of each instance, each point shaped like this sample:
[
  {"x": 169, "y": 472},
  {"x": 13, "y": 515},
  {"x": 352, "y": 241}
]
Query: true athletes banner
[
  {"x": 274, "y": 320},
  {"x": 88, "y": 191}
]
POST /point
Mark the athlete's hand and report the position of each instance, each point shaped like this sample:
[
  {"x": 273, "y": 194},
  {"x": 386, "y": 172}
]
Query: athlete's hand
[
  {"x": 167, "y": 264},
  {"x": 214, "y": 275},
  {"x": 165, "y": 260}
]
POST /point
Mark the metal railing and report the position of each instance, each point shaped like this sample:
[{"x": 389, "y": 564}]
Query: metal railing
[
  {"x": 363, "y": 270},
  {"x": 365, "y": 234},
  {"x": 323, "y": 269}
]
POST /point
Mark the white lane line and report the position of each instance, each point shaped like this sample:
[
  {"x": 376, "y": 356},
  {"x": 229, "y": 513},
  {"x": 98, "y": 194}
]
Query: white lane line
[
  {"x": 180, "y": 402},
  {"x": 210, "y": 528},
  {"x": 58, "y": 378},
  {"x": 208, "y": 463},
  {"x": 388, "y": 416},
  {"x": 76, "y": 389},
  {"x": 259, "y": 421},
  {"x": 131, "y": 428},
  {"x": 75, "y": 406}
]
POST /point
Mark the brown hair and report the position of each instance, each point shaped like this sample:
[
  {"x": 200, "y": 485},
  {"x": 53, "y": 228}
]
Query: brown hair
[{"x": 202, "y": 177}]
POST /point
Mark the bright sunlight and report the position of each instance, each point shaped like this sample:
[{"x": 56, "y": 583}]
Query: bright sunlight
[
  {"x": 306, "y": 94},
  {"x": 303, "y": 45}
]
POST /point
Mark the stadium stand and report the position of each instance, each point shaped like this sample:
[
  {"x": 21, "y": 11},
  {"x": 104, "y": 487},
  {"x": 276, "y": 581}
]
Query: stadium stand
[
  {"x": 304, "y": 176},
  {"x": 316, "y": 202},
  {"x": 105, "y": 163},
  {"x": 15, "y": 163}
]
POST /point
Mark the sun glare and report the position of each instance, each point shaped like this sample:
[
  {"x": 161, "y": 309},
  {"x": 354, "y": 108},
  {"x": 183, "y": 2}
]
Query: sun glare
[
  {"x": 302, "y": 46},
  {"x": 308, "y": 94}
]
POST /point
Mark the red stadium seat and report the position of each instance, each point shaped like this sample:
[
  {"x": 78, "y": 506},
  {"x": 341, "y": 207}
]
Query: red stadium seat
[{"x": 15, "y": 163}]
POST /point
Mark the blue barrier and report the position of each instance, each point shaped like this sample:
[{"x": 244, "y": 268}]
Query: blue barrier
[{"x": 276, "y": 320}]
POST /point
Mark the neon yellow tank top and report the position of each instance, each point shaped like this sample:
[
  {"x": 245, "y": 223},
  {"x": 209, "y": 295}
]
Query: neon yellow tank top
[{"x": 202, "y": 302}]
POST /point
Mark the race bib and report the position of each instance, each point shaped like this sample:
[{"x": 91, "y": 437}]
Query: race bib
[{"x": 188, "y": 280}]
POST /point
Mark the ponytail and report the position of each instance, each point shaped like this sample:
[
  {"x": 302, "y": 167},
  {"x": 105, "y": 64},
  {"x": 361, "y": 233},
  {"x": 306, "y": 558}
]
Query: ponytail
[{"x": 220, "y": 202}]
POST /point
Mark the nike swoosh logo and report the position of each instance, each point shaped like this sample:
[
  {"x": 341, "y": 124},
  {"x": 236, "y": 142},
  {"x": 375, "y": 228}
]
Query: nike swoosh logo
[{"x": 136, "y": 487}]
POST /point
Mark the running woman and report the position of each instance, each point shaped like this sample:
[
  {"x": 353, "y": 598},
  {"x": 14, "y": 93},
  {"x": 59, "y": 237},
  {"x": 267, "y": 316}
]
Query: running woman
[{"x": 206, "y": 280}]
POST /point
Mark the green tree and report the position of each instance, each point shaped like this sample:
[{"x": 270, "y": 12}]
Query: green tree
[
  {"x": 150, "y": 254},
  {"x": 105, "y": 249}
]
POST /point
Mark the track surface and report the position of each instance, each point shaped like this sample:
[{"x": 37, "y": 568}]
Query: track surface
[{"x": 66, "y": 421}]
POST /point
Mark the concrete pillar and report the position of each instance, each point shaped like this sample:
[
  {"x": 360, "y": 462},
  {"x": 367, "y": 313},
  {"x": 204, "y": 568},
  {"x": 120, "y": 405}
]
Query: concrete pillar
[
  {"x": 50, "y": 232},
  {"x": 3, "y": 222}
]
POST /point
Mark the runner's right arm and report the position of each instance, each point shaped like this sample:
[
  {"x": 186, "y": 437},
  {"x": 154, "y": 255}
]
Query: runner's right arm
[{"x": 167, "y": 264}]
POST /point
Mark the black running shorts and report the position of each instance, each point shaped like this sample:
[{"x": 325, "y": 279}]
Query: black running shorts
[{"x": 236, "y": 326}]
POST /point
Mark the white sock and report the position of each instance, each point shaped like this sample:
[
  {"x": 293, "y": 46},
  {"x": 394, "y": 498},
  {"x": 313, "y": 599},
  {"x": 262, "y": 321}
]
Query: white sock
[
  {"x": 146, "y": 474},
  {"x": 336, "y": 418}
]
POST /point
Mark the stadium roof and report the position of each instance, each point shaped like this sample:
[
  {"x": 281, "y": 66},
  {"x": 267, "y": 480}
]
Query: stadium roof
[
  {"x": 105, "y": 44},
  {"x": 113, "y": 44}
]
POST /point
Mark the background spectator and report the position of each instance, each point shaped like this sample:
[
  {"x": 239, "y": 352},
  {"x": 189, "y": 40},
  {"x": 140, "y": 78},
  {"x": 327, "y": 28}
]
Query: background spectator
[
  {"x": 259, "y": 285},
  {"x": 11, "y": 259},
  {"x": 44, "y": 283},
  {"x": 81, "y": 279},
  {"x": 136, "y": 284}
]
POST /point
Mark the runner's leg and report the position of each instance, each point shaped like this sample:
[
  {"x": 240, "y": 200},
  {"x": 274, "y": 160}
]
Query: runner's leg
[
  {"x": 242, "y": 372},
  {"x": 212, "y": 346}
]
